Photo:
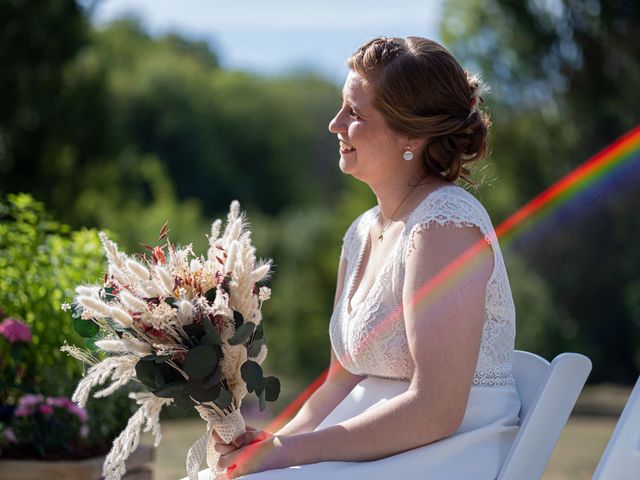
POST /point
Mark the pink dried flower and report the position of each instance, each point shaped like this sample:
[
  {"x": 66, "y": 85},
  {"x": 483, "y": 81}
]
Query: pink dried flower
[
  {"x": 45, "y": 409},
  {"x": 84, "y": 431},
  {"x": 15, "y": 330}
]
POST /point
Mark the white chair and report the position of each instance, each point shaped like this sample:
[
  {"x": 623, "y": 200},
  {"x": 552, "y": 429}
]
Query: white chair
[
  {"x": 621, "y": 458},
  {"x": 548, "y": 392}
]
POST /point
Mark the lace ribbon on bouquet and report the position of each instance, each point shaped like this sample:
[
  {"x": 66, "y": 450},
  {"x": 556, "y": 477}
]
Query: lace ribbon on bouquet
[{"x": 227, "y": 427}]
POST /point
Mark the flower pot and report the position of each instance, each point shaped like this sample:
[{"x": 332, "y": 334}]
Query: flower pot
[{"x": 138, "y": 468}]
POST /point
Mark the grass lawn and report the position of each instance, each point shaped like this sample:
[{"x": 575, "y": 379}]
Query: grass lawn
[{"x": 575, "y": 457}]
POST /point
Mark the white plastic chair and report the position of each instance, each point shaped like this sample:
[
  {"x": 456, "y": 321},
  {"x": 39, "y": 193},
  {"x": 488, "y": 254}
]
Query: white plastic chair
[
  {"x": 621, "y": 458},
  {"x": 548, "y": 392}
]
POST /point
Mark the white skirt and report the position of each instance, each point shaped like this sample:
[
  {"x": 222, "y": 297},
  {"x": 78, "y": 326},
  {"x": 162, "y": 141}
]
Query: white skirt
[{"x": 474, "y": 452}]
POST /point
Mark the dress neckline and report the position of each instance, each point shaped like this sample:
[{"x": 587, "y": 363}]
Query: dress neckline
[{"x": 375, "y": 213}]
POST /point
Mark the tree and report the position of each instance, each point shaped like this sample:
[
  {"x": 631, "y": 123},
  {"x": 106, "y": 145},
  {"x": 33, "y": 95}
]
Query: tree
[{"x": 563, "y": 76}]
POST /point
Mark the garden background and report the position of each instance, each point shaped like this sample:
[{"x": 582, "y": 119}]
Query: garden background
[{"x": 111, "y": 127}]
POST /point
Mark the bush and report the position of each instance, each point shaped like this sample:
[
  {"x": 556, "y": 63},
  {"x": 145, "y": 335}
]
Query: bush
[{"x": 41, "y": 261}]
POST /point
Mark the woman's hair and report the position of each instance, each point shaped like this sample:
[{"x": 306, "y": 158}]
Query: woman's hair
[{"x": 423, "y": 92}]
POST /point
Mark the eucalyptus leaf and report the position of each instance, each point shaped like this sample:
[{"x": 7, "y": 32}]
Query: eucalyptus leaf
[
  {"x": 271, "y": 388},
  {"x": 184, "y": 402},
  {"x": 254, "y": 349},
  {"x": 213, "y": 378},
  {"x": 146, "y": 373},
  {"x": 224, "y": 399},
  {"x": 170, "y": 301},
  {"x": 261, "y": 402},
  {"x": 251, "y": 373},
  {"x": 238, "y": 318},
  {"x": 212, "y": 332},
  {"x": 242, "y": 333},
  {"x": 200, "y": 361},
  {"x": 159, "y": 377},
  {"x": 196, "y": 389},
  {"x": 172, "y": 390},
  {"x": 259, "y": 332},
  {"x": 161, "y": 358},
  {"x": 85, "y": 328},
  {"x": 194, "y": 330},
  {"x": 210, "y": 295}
]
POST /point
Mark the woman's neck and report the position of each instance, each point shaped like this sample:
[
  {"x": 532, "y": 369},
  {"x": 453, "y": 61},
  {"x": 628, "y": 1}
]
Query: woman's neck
[{"x": 400, "y": 193}]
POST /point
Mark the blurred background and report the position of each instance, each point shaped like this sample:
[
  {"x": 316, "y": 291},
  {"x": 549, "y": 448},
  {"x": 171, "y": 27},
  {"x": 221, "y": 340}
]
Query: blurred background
[{"x": 121, "y": 115}]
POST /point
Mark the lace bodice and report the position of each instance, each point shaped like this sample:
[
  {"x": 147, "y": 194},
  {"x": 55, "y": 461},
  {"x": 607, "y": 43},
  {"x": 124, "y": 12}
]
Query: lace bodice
[{"x": 371, "y": 340}]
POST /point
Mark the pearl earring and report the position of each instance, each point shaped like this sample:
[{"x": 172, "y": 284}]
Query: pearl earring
[{"x": 408, "y": 155}]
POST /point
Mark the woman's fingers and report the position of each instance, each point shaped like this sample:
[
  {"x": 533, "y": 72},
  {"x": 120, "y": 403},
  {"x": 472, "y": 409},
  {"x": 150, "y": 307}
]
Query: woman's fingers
[
  {"x": 224, "y": 448},
  {"x": 251, "y": 436}
]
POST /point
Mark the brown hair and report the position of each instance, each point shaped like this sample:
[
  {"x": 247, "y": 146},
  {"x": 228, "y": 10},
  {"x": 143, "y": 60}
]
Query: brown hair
[{"x": 423, "y": 92}]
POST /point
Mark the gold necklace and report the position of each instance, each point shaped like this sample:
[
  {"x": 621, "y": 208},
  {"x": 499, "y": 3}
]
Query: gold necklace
[{"x": 388, "y": 222}]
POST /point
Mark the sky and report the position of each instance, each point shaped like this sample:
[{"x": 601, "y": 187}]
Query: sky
[{"x": 281, "y": 35}]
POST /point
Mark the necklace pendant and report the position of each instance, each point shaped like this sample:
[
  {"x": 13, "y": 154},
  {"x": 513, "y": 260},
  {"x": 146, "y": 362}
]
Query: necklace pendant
[{"x": 380, "y": 237}]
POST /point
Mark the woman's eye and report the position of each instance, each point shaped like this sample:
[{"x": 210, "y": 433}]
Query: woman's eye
[{"x": 353, "y": 113}]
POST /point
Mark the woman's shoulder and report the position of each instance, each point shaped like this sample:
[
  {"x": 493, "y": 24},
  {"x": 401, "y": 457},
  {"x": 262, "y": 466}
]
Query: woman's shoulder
[{"x": 451, "y": 204}]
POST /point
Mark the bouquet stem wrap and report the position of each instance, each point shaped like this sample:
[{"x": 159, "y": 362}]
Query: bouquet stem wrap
[{"x": 228, "y": 427}]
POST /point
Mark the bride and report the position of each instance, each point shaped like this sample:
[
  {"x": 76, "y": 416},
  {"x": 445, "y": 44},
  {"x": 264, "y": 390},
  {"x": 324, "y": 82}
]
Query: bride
[{"x": 422, "y": 332}]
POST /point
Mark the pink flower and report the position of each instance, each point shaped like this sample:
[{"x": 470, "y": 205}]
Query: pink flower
[
  {"x": 60, "y": 402},
  {"x": 45, "y": 409},
  {"x": 30, "y": 400},
  {"x": 10, "y": 436},
  {"x": 79, "y": 412},
  {"x": 15, "y": 330},
  {"x": 22, "y": 411}
]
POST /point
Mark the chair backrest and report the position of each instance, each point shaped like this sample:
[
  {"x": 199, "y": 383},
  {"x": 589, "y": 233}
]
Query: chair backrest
[
  {"x": 548, "y": 392},
  {"x": 621, "y": 458}
]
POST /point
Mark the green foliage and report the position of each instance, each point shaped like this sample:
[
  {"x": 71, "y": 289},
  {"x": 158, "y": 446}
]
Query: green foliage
[
  {"x": 563, "y": 80},
  {"x": 41, "y": 263}
]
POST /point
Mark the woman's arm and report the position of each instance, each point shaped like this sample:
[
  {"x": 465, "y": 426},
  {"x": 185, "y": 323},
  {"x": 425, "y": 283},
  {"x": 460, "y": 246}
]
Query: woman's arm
[
  {"x": 336, "y": 387},
  {"x": 444, "y": 314}
]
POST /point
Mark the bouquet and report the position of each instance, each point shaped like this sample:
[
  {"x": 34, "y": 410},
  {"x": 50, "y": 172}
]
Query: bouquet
[{"x": 187, "y": 328}]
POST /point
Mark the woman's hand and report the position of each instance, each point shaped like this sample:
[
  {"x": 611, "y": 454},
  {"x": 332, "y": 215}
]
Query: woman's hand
[
  {"x": 266, "y": 454},
  {"x": 252, "y": 435}
]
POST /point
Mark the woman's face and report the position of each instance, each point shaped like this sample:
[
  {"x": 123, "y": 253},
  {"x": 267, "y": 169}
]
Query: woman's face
[{"x": 369, "y": 149}]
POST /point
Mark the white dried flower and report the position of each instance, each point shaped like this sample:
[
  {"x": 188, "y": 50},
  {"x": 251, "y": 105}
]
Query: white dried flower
[
  {"x": 65, "y": 307},
  {"x": 264, "y": 293},
  {"x": 133, "y": 303},
  {"x": 122, "y": 317},
  {"x": 124, "y": 346},
  {"x": 94, "y": 306},
  {"x": 88, "y": 291},
  {"x": 260, "y": 272},
  {"x": 195, "y": 265},
  {"x": 138, "y": 270},
  {"x": 185, "y": 312},
  {"x": 160, "y": 317},
  {"x": 166, "y": 280}
]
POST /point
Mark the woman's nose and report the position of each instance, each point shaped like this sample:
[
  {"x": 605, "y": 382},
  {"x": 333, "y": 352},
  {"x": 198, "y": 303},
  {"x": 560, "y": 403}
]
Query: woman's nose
[{"x": 337, "y": 124}]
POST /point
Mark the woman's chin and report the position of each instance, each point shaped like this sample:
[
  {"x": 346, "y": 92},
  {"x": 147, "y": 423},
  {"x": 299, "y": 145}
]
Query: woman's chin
[{"x": 347, "y": 163}]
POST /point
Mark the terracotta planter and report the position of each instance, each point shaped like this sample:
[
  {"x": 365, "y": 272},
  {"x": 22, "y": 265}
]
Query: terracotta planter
[{"x": 138, "y": 468}]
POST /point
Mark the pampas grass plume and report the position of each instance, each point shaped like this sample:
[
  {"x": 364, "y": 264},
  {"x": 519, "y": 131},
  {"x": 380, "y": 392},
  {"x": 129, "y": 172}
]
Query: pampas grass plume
[
  {"x": 132, "y": 303},
  {"x": 122, "y": 317},
  {"x": 94, "y": 305},
  {"x": 138, "y": 270}
]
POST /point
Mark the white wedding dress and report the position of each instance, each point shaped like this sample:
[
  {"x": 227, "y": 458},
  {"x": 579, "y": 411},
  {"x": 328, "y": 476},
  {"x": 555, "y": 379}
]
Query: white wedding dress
[{"x": 478, "y": 448}]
